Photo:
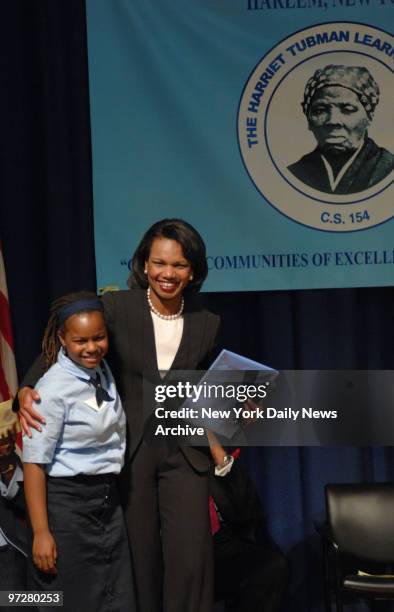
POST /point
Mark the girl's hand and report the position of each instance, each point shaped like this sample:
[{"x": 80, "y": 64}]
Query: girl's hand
[
  {"x": 27, "y": 415},
  {"x": 45, "y": 552}
]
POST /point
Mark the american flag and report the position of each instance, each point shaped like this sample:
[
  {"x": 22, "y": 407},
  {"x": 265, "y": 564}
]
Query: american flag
[{"x": 8, "y": 380}]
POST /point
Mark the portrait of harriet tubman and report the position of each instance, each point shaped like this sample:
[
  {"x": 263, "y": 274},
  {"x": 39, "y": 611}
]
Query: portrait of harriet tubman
[{"x": 339, "y": 104}]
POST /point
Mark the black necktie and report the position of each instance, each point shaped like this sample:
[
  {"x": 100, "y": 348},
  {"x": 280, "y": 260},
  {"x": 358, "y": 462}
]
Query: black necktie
[{"x": 101, "y": 394}]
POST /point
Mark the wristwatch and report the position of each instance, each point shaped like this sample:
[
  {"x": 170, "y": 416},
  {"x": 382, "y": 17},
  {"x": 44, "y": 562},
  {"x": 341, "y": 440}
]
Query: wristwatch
[
  {"x": 226, "y": 461},
  {"x": 223, "y": 468}
]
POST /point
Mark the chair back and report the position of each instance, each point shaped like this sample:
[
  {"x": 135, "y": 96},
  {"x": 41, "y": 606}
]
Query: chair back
[{"x": 361, "y": 520}]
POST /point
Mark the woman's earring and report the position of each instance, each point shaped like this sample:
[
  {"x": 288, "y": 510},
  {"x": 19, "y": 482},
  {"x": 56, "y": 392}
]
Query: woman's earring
[
  {"x": 191, "y": 277},
  {"x": 145, "y": 271}
]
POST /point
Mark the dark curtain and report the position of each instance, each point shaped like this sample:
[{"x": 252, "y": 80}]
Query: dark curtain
[
  {"x": 319, "y": 329},
  {"x": 46, "y": 219},
  {"x": 46, "y": 225}
]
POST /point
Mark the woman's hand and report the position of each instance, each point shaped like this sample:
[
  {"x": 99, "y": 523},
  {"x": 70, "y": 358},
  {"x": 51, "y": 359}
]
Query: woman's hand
[
  {"x": 27, "y": 415},
  {"x": 45, "y": 552},
  {"x": 250, "y": 412},
  {"x": 217, "y": 451}
]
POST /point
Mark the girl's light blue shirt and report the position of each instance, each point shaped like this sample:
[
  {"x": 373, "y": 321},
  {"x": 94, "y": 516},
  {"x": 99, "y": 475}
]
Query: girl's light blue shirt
[{"x": 79, "y": 437}]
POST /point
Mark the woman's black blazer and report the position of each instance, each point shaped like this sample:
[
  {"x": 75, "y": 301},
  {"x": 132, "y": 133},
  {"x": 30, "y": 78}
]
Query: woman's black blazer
[{"x": 133, "y": 352}]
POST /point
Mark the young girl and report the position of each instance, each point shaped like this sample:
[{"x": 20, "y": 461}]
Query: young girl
[{"x": 79, "y": 542}]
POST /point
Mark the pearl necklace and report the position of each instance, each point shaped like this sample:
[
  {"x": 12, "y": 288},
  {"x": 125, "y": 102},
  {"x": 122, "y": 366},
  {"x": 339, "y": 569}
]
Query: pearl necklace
[{"x": 163, "y": 316}]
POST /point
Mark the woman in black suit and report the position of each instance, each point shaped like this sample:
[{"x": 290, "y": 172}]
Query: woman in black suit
[{"x": 154, "y": 327}]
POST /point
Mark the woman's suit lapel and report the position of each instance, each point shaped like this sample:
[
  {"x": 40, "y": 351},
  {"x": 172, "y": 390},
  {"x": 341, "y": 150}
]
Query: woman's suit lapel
[{"x": 149, "y": 347}]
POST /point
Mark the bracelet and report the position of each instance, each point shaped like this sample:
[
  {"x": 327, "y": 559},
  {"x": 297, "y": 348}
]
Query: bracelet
[
  {"x": 226, "y": 461},
  {"x": 225, "y": 466}
]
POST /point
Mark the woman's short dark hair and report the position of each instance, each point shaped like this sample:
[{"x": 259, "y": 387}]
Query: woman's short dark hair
[{"x": 193, "y": 248}]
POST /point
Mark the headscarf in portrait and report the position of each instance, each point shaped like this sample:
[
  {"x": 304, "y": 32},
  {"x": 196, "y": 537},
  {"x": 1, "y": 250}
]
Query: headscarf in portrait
[{"x": 355, "y": 78}]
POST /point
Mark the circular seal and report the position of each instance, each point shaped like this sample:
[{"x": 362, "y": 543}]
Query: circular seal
[{"x": 316, "y": 128}]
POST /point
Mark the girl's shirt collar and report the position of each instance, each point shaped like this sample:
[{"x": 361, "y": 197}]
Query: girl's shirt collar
[{"x": 74, "y": 368}]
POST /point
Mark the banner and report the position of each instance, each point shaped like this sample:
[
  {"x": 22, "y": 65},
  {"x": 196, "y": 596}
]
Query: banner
[{"x": 267, "y": 124}]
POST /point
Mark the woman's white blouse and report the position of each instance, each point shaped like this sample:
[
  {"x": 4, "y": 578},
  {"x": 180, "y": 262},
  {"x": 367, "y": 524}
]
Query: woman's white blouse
[{"x": 168, "y": 335}]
